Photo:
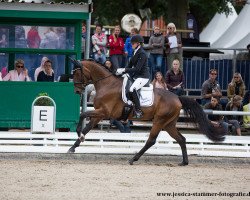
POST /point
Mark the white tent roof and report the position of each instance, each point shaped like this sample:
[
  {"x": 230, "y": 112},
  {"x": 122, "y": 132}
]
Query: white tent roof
[
  {"x": 239, "y": 29},
  {"x": 217, "y": 26},
  {"x": 242, "y": 43}
]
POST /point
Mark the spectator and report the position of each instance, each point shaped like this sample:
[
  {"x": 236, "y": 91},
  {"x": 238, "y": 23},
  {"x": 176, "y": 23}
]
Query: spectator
[
  {"x": 236, "y": 86},
  {"x": 159, "y": 81},
  {"x": 33, "y": 38},
  {"x": 3, "y": 38},
  {"x": 156, "y": 46},
  {"x": 20, "y": 73},
  {"x": 246, "y": 118},
  {"x": 40, "y": 68},
  {"x": 235, "y": 105},
  {"x": 84, "y": 34},
  {"x": 128, "y": 50},
  {"x": 61, "y": 34},
  {"x": 4, "y": 71},
  {"x": 216, "y": 120},
  {"x": 124, "y": 127},
  {"x": 210, "y": 88},
  {"x": 47, "y": 74},
  {"x": 175, "y": 78},
  {"x": 173, "y": 45},
  {"x": 20, "y": 41},
  {"x": 116, "y": 47},
  {"x": 244, "y": 55},
  {"x": 109, "y": 66},
  {"x": 246, "y": 97},
  {"x": 50, "y": 40},
  {"x": 99, "y": 41},
  {"x": 1, "y": 76}
]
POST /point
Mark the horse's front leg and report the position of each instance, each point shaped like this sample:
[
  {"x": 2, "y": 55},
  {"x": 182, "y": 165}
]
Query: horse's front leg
[{"x": 95, "y": 117}]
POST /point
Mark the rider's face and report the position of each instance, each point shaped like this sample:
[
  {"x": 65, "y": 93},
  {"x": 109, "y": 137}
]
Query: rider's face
[{"x": 135, "y": 45}]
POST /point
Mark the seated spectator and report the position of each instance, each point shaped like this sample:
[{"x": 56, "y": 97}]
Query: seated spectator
[
  {"x": 99, "y": 41},
  {"x": 175, "y": 78},
  {"x": 33, "y": 38},
  {"x": 216, "y": 120},
  {"x": 244, "y": 55},
  {"x": 246, "y": 118},
  {"x": 236, "y": 86},
  {"x": 20, "y": 73},
  {"x": 4, "y": 71},
  {"x": 235, "y": 105},
  {"x": 124, "y": 127},
  {"x": 40, "y": 68},
  {"x": 246, "y": 97},
  {"x": 210, "y": 88},
  {"x": 159, "y": 81},
  {"x": 109, "y": 66},
  {"x": 47, "y": 75}
]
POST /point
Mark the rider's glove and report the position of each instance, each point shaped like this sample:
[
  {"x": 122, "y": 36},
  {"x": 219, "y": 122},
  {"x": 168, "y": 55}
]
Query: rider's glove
[{"x": 120, "y": 71}]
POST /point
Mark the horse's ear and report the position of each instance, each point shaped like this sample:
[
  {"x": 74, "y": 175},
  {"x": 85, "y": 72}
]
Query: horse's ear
[{"x": 77, "y": 64}]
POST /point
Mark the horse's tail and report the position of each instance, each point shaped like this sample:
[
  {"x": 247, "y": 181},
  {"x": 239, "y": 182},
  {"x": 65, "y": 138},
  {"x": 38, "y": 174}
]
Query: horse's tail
[{"x": 199, "y": 117}]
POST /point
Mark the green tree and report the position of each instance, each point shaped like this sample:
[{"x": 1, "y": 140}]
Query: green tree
[{"x": 110, "y": 12}]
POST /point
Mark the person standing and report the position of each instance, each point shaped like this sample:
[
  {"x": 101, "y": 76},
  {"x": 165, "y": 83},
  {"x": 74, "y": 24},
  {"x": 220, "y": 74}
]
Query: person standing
[
  {"x": 84, "y": 35},
  {"x": 99, "y": 41},
  {"x": 128, "y": 50},
  {"x": 116, "y": 47},
  {"x": 138, "y": 70},
  {"x": 33, "y": 38},
  {"x": 156, "y": 46},
  {"x": 173, "y": 45}
]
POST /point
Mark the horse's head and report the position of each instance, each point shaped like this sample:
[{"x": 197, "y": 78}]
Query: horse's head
[{"x": 79, "y": 79}]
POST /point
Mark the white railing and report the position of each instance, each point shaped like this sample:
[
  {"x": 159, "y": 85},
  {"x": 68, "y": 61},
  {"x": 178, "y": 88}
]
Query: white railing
[{"x": 122, "y": 143}]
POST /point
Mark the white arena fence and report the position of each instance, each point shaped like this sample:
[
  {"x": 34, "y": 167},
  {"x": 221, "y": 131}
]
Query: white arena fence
[{"x": 122, "y": 143}]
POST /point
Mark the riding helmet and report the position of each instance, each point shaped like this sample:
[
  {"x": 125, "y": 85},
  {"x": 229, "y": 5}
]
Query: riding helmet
[{"x": 137, "y": 38}]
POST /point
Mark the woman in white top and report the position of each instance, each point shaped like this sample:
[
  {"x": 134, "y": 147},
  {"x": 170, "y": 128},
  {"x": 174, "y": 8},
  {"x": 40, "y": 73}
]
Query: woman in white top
[
  {"x": 40, "y": 68},
  {"x": 20, "y": 73}
]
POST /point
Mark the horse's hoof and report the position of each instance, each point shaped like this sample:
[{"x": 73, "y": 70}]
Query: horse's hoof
[
  {"x": 183, "y": 164},
  {"x": 131, "y": 162},
  {"x": 71, "y": 150}
]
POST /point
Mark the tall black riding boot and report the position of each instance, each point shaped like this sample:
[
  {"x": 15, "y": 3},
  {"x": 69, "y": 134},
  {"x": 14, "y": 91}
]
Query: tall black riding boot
[{"x": 138, "y": 112}]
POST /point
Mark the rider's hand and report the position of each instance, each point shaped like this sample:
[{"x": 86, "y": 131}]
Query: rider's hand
[{"x": 120, "y": 71}]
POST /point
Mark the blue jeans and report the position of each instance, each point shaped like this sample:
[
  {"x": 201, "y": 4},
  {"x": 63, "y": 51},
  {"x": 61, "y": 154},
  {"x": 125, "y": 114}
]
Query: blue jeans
[
  {"x": 100, "y": 58},
  {"x": 123, "y": 127},
  {"x": 116, "y": 60},
  {"x": 156, "y": 64}
]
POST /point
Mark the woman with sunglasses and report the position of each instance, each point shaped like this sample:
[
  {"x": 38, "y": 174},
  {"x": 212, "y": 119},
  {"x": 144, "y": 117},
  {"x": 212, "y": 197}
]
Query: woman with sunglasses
[
  {"x": 173, "y": 45},
  {"x": 20, "y": 73},
  {"x": 236, "y": 86}
]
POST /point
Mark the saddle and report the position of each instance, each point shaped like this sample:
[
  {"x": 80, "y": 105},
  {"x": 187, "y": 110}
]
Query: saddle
[{"x": 146, "y": 95}]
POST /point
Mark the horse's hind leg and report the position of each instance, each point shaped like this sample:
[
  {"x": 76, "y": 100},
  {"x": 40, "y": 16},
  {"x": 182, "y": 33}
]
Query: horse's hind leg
[
  {"x": 150, "y": 142},
  {"x": 174, "y": 133}
]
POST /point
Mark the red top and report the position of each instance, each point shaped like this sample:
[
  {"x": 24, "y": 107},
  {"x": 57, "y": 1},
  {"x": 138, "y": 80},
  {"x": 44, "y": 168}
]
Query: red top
[{"x": 115, "y": 47}]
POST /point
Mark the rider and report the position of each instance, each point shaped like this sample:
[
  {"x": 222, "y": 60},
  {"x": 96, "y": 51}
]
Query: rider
[{"x": 138, "y": 70}]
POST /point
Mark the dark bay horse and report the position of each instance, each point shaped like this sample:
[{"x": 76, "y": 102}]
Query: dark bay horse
[{"x": 164, "y": 112}]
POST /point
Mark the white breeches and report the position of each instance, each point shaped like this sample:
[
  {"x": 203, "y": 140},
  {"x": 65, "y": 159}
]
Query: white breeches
[{"x": 138, "y": 84}]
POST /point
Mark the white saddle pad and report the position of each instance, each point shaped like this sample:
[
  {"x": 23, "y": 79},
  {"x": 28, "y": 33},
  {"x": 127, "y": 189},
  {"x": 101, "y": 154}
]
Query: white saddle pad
[{"x": 146, "y": 96}]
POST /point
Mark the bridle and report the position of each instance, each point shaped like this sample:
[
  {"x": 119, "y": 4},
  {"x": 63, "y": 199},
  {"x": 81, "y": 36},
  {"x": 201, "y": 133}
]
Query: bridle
[{"x": 84, "y": 80}]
